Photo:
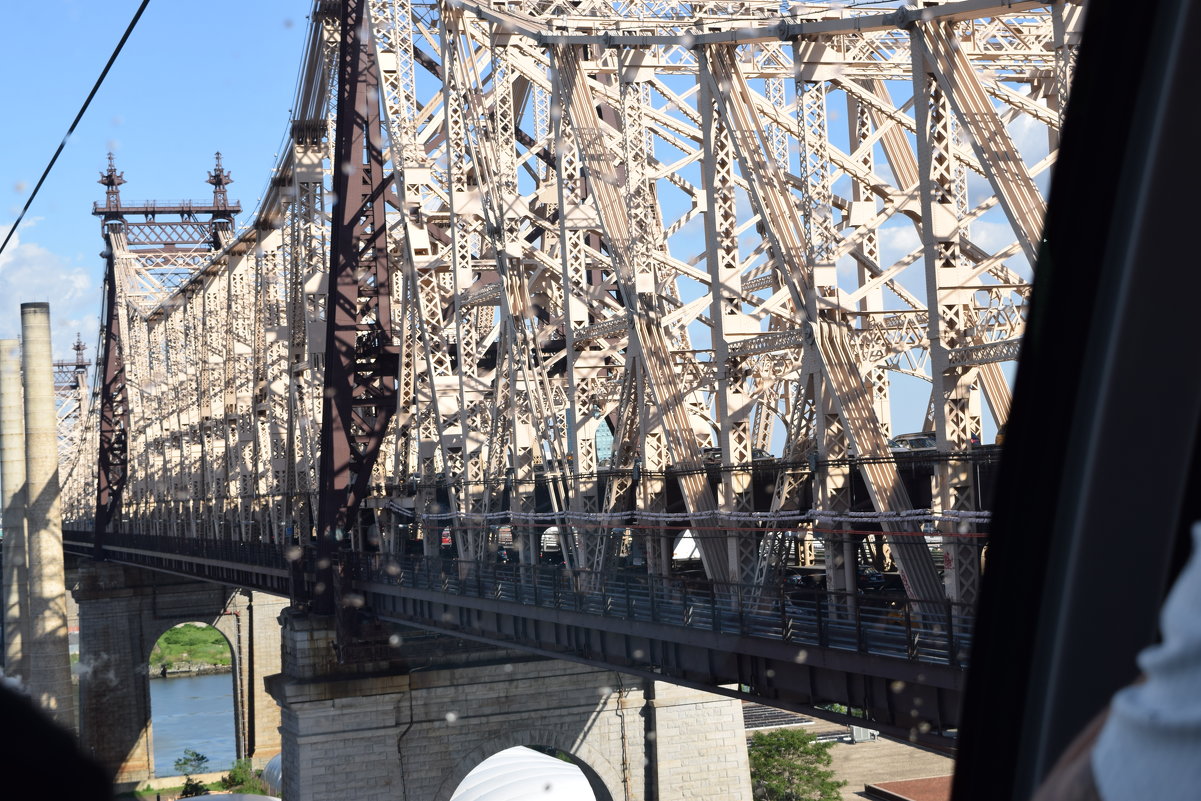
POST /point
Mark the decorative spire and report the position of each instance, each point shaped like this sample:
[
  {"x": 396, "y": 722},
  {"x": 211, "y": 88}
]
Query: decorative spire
[
  {"x": 81, "y": 362},
  {"x": 111, "y": 181},
  {"x": 220, "y": 179}
]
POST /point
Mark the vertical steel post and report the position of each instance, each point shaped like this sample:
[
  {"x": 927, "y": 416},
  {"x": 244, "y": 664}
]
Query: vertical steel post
[
  {"x": 114, "y": 415},
  {"x": 360, "y": 356},
  {"x": 49, "y": 679}
]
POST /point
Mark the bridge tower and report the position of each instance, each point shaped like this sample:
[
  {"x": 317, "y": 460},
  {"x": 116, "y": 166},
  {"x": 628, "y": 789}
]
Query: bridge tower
[{"x": 148, "y": 260}]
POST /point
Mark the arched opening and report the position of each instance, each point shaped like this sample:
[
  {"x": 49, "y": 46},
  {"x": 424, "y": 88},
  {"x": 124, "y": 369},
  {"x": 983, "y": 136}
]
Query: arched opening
[
  {"x": 531, "y": 771},
  {"x": 192, "y": 705}
]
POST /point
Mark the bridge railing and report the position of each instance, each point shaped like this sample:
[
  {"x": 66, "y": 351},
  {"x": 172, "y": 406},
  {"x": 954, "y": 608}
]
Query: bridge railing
[
  {"x": 933, "y": 631},
  {"x": 928, "y": 631}
]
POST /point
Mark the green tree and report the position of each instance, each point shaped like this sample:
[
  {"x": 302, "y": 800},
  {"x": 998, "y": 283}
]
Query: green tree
[
  {"x": 188, "y": 642},
  {"x": 791, "y": 765},
  {"x": 192, "y": 788},
  {"x": 191, "y": 762},
  {"x": 244, "y": 779}
]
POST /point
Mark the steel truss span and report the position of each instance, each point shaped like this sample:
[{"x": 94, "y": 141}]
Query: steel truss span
[{"x": 729, "y": 239}]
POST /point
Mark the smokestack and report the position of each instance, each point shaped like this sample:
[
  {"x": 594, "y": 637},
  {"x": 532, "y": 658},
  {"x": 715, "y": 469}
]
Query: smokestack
[
  {"x": 49, "y": 679},
  {"x": 12, "y": 496}
]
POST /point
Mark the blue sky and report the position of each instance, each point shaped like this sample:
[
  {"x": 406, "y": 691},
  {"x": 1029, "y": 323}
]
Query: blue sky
[{"x": 194, "y": 78}]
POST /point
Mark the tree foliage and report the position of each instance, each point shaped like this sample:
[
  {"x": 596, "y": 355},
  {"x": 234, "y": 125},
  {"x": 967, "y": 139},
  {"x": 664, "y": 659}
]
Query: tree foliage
[
  {"x": 190, "y": 643},
  {"x": 191, "y": 762},
  {"x": 791, "y": 765},
  {"x": 243, "y": 778},
  {"x": 192, "y": 788}
]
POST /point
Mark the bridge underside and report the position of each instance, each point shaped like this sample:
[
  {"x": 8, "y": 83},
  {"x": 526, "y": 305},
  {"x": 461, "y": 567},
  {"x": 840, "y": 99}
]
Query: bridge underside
[{"x": 802, "y": 654}]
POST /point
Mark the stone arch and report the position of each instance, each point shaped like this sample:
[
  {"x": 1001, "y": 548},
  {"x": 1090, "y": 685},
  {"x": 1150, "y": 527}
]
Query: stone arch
[
  {"x": 161, "y": 627},
  {"x": 226, "y": 623},
  {"x": 603, "y": 776},
  {"x": 122, "y": 613}
]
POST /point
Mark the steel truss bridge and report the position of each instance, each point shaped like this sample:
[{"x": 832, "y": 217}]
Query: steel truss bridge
[{"x": 715, "y": 233}]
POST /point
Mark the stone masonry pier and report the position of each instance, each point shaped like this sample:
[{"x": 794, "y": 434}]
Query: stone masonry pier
[{"x": 415, "y": 726}]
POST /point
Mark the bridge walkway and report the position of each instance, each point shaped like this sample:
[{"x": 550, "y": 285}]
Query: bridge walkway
[{"x": 899, "y": 660}]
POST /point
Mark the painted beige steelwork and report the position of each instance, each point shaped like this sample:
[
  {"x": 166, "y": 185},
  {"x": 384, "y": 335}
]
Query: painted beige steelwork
[{"x": 720, "y": 233}]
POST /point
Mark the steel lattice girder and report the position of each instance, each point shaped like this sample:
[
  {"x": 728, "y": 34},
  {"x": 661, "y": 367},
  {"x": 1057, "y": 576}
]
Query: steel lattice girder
[{"x": 551, "y": 275}]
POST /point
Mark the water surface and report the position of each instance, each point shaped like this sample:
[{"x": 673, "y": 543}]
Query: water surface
[{"x": 194, "y": 712}]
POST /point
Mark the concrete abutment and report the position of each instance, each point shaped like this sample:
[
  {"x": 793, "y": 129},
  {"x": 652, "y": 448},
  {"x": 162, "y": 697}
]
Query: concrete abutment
[
  {"x": 122, "y": 613},
  {"x": 414, "y": 727}
]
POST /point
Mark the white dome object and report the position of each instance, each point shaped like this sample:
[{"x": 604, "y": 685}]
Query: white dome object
[
  {"x": 523, "y": 774},
  {"x": 273, "y": 774}
]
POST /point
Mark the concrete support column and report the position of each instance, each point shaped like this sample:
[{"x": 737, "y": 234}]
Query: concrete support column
[
  {"x": 700, "y": 744},
  {"x": 338, "y": 724},
  {"x": 49, "y": 679},
  {"x": 258, "y": 656},
  {"x": 12, "y": 495},
  {"x": 114, "y": 687}
]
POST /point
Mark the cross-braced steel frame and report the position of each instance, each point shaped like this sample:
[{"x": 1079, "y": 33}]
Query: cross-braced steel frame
[{"x": 724, "y": 236}]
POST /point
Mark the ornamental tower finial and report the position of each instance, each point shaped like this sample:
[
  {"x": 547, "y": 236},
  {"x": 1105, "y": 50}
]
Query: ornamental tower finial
[{"x": 112, "y": 180}]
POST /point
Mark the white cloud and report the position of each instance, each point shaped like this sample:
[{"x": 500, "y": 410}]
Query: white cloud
[
  {"x": 995, "y": 235},
  {"x": 992, "y": 236},
  {"x": 1030, "y": 138},
  {"x": 31, "y": 273},
  {"x": 897, "y": 241}
]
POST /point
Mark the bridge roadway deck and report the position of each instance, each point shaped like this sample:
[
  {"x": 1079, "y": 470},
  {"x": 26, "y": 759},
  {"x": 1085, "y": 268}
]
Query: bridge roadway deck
[{"x": 901, "y": 662}]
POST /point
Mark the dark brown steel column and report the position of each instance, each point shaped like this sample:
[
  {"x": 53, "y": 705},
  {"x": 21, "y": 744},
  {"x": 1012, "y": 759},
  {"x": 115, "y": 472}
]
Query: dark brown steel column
[
  {"x": 114, "y": 413},
  {"x": 360, "y": 357}
]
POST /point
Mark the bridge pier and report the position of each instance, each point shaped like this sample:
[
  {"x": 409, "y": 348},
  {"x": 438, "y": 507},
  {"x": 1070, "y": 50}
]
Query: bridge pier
[
  {"x": 122, "y": 613},
  {"x": 415, "y": 727}
]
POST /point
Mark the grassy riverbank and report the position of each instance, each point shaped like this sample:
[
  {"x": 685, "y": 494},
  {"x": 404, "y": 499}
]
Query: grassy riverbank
[{"x": 190, "y": 644}]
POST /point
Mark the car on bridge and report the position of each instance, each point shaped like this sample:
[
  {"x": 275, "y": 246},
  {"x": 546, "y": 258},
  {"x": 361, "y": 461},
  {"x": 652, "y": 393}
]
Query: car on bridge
[
  {"x": 908, "y": 443},
  {"x": 869, "y": 579},
  {"x": 712, "y": 455}
]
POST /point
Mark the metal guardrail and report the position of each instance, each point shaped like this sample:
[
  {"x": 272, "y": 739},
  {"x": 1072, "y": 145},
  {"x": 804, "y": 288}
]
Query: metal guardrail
[
  {"x": 926, "y": 631},
  {"x": 937, "y": 632}
]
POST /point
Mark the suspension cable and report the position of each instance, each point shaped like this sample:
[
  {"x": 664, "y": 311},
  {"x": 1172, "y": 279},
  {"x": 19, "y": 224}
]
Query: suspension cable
[{"x": 95, "y": 88}]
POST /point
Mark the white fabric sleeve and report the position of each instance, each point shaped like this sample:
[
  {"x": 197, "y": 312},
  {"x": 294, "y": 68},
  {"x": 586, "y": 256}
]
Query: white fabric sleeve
[{"x": 1150, "y": 747}]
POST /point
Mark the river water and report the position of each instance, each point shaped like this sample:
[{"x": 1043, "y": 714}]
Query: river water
[{"x": 194, "y": 712}]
